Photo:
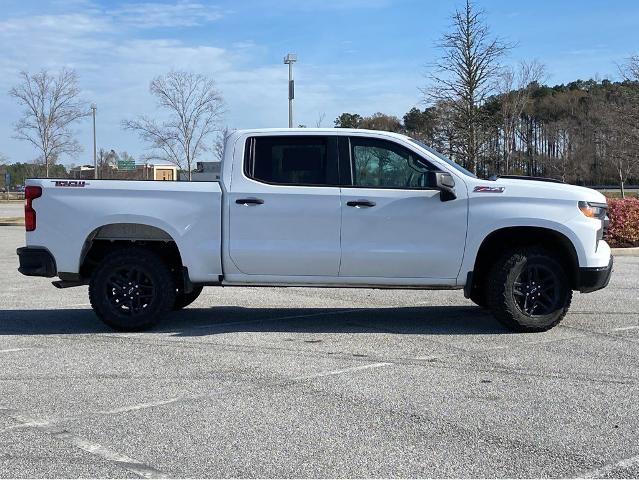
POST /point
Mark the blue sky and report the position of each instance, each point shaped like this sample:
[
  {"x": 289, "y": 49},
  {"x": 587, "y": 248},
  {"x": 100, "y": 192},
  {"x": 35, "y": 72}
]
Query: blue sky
[{"x": 354, "y": 55}]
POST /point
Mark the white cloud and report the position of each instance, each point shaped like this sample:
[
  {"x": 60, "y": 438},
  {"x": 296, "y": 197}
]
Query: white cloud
[{"x": 162, "y": 15}]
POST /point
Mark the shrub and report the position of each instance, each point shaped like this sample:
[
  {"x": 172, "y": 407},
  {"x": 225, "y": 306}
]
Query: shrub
[{"x": 624, "y": 222}]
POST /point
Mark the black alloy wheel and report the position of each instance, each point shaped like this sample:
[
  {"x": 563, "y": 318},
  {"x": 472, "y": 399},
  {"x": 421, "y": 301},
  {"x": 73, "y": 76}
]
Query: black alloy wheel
[
  {"x": 130, "y": 290},
  {"x": 536, "y": 290}
]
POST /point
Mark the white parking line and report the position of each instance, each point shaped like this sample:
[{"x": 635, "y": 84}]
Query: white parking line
[
  {"x": 343, "y": 370},
  {"x": 623, "y": 329},
  {"x": 12, "y": 350},
  {"x": 140, "y": 406},
  {"x": 106, "y": 453},
  {"x": 625, "y": 464}
]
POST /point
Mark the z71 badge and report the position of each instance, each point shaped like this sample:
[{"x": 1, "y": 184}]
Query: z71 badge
[
  {"x": 487, "y": 189},
  {"x": 70, "y": 183}
]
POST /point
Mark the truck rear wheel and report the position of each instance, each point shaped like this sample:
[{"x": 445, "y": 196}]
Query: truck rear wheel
[
  {"x": 185, "y": 299},
  {"x": 528, "y": 290},
  {"x": 131, "y": 289}
]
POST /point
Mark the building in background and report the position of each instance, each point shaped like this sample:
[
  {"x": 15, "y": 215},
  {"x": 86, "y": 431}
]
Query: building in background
[
  {"x": 160, "y": 172},
  {"x": 82, "y": 172}
]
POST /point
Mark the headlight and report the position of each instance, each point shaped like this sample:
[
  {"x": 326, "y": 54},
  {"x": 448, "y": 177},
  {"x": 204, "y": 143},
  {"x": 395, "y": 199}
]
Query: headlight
[{"x": 593, "y": 209}]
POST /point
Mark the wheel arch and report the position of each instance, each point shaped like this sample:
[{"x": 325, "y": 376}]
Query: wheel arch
[
  {"x": 106, "y": 238},
  {"x": 493, "y": 245}
]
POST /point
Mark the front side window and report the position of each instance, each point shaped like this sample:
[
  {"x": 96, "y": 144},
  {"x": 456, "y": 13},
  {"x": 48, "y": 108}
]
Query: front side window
[
  {"x": 383, "y": 164},
  {"x": 293, "y": 160}
]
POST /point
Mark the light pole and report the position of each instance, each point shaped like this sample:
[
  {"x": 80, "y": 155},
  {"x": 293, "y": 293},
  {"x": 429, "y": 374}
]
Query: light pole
[
  {"x": 95, "y": 151},
  {"x": 289, "y": 60}
]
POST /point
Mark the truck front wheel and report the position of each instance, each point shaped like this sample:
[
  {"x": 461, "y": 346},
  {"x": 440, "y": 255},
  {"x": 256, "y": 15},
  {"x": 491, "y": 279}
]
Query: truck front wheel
[
  {"x": 131, "y": 289},
  {"x": 528, "y": 290}
]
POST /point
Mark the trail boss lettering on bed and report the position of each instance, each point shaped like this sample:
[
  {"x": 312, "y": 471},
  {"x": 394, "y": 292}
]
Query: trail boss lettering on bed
[{"x": 70, "y": 183}]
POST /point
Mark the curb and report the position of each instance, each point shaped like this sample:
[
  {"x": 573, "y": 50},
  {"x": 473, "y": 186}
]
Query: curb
[{"x": 625, "y": 252}]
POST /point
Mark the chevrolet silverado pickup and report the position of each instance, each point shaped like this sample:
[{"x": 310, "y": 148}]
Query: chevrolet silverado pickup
[{"x": 320, "y": 208}]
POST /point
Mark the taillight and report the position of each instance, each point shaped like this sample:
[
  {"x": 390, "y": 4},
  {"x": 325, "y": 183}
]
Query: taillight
[{"x": 30, "y": 193}]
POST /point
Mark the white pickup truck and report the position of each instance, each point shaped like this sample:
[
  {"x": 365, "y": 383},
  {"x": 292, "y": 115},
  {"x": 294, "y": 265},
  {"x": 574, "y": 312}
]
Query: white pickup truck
[{"x": 320, "y": 208}]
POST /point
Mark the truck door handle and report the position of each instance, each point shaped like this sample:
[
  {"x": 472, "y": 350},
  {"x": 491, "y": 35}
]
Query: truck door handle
[
  {"x": 249, "y": 201},
  {"x": 360, "y": 203}
]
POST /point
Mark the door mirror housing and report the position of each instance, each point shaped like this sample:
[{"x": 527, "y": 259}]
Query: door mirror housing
[{"x": 444, "y": 182}]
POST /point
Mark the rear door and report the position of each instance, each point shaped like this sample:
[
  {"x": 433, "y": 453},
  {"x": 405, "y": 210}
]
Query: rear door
[
  {"x": 393, "y": 225},
  {"x": 285, "y": 207}
]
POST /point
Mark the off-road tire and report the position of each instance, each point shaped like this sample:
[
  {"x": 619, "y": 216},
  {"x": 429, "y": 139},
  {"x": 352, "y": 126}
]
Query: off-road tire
[
  {"x": 132, "y": 289},
  {"x": 505, "y": 287},
  {"x": 185, "y": 299}
]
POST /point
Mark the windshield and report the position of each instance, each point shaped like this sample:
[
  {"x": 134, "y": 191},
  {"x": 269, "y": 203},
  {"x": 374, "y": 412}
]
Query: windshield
[{"x": 443, "y": 158}]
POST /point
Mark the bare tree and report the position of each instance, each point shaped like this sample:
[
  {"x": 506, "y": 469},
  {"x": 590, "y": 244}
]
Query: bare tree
[
  {"x": 194, "y": 107},
  {"x": 320, "y": 119},
  {"x": 51, "y": 105},
  {"x": 630, "y": 71},
  {"x": 515, "y": 88},
  {"x": 465, "y": 75},
  {"x": 619, "y": 140},
  {"x": 220, "y": 143},
  {"x": 107, "y": 161}
]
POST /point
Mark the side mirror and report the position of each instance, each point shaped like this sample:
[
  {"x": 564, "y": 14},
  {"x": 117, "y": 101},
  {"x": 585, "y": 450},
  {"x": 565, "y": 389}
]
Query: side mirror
[{"x": 444, "y": 182}]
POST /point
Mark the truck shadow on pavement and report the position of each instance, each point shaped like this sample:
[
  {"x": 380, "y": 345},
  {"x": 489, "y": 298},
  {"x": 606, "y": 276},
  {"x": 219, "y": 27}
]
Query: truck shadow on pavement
[{"x": 191, "y": 322}]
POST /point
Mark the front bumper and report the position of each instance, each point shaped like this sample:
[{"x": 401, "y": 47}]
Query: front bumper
[
  {"x": 36, "y": 262},
  {"x": 592, "y": 279}
]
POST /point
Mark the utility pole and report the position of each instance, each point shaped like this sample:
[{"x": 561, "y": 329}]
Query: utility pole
[
  {"x": 289, "y": 60},
  {"x": 95, "y": 151}
]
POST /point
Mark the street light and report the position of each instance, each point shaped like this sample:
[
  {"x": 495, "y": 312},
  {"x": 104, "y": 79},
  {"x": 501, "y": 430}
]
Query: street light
[
  {"x": 289, "y": 60},
  {"x": 95, "y": 152}
]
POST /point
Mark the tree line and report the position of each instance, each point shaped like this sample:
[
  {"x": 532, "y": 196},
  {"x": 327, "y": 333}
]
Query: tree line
[{"x": 581, "y": 133}]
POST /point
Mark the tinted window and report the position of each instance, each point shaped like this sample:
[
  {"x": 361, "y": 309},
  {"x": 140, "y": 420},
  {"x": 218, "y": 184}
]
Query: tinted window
[
  {"x": 289, "y": 160},
  {"x": 378, "y": 163}
]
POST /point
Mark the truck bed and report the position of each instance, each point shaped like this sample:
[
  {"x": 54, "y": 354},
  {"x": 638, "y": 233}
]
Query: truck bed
[{"x": 71, "y": 213}]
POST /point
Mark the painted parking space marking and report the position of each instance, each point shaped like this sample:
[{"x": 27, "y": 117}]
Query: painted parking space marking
[
  {"x": 623, "y": 329},
  {"x": 625, "y": 464},
  {"x": 343, "y": 370},
  {"x": 105, "y": 453},
  {"x": 124, "y": 461},
  {"x": 140, "y": 406}
]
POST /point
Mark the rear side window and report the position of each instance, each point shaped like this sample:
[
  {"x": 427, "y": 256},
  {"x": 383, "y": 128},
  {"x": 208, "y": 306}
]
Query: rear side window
[{"x": 293, "y": 160}]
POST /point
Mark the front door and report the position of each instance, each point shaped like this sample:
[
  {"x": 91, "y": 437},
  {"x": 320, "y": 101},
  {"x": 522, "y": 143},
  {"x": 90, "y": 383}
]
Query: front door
[
  {"x": 285, "y": 207},
  {"x": 393, "y": 226}
]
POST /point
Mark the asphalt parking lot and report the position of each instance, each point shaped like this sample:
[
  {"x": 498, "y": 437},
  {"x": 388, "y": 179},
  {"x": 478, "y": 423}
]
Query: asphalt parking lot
[{"x": 316, "y": 383}]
